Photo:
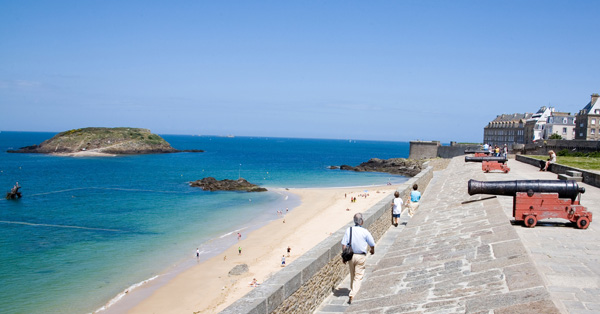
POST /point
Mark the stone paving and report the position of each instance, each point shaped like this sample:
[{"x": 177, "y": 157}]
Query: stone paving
[
  {"x": 461, "y": 254},
  {"x": 567, "y": 258}
]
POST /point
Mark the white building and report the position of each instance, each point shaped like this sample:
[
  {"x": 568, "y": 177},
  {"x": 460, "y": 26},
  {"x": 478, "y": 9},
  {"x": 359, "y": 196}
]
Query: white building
[
  {"x": 561, "y": 123},
  {"x": 534, "y": 126}
]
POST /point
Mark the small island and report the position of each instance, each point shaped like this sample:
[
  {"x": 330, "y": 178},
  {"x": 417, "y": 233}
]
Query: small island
[
  {"x": 401, "y": 166},
  {"x": 103, "y": 142},
  {"x": 211, "y": 184}
]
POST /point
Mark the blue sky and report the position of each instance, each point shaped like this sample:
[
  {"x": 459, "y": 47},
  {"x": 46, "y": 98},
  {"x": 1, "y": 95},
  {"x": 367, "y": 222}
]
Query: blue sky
[{"x": 378, "y": 70}]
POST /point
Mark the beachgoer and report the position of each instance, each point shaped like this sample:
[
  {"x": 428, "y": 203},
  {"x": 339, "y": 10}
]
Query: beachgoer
[
  {"x": 396, "y": 208},
  {"x": 197, "y": 254},
  {"x": 505, "y": 150},
  {"x": 240, "y": 250},
  {"x": 486, "y": 147},
  {"x": 289, "y": 250},
  {"x": 415, "y": 197},
  {"x": 551, "y": 159},
  {"x": 239, "y": 236},
  {"x": 361, "y": 241},
  {"x": 254, "y": 283},
  {"x": 497, "y": 151},
  {"x": 282, "y": 260}
]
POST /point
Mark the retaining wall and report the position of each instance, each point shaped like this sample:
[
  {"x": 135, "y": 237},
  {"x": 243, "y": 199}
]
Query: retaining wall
[
  {"x": 542, "y": 147},
  {"x": 590, "y": 178},
  {"x": 304, "y": 284},
  {"x": 423, "y": 149}
]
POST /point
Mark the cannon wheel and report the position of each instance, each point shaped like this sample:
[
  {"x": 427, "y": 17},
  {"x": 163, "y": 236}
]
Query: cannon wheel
[
  {"x": 583, "y": 223},
  {"x": 530, "y": 221}
]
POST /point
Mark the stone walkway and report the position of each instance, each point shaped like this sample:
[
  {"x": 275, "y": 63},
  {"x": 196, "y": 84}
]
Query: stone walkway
[
  {"x": 461, "y": 254},
  {"x": 567, "y": 258}
]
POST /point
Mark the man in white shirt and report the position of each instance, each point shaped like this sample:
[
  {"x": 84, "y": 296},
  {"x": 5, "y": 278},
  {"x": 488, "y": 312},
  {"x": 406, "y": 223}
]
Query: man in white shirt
[{"x": 362, "y": 240}]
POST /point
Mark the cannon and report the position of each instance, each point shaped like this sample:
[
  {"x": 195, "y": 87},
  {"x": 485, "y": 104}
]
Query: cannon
[
  {"x": 478, "y": 153},
  {"x": 490, "y": 163},
  {"x": 534, "y": 200}
]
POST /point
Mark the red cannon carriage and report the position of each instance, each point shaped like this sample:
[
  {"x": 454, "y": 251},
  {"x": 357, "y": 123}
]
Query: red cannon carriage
[
  {"x": 490, "y": 163},
  {"x": 534, "y": 200}
]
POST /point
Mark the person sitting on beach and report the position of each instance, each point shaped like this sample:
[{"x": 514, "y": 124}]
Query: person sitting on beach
[
  {"x": 254, "y": 283},
  {"x": 551, "y": 159},
  {"x": 415, "y": 197}
]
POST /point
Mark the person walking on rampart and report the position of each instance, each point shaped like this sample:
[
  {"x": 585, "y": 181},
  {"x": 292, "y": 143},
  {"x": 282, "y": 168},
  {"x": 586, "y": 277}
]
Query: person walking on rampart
[
  {"x": 361, "y": 241},
  {"x": 415, "y": 197},
  {"x": 396, "y": 208}
]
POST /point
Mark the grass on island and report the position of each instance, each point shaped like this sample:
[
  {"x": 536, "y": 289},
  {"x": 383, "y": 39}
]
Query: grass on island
[{"x": 584, "y": 163}]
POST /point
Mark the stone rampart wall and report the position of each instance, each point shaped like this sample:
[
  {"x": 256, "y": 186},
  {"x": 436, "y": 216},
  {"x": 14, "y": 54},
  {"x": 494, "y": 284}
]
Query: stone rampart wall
[
  {"x": 304, "y": 284},
  {"x": 423, "y": 149},
  {"x": 542, "y": 147},
  {"x": 455, "y": 150},
  {"x": 589, "y": 177}
]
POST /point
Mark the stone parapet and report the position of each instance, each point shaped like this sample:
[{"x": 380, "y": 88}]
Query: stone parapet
[
  {"x": 589, "y": 177},
  {"x": 303, "y": 285}
]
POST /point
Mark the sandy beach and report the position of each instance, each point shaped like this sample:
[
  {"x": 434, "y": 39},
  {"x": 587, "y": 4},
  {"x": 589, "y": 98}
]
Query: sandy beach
[
  {"x": 88, "y": 153},
  {"x": 207, "y": 287}
]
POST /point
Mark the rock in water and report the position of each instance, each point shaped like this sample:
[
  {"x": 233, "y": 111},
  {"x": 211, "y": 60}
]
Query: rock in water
[
  {"x": 211, "y": 184},
  {"x": 401, "y": 166},
  {"x": 103, "y": 140}
]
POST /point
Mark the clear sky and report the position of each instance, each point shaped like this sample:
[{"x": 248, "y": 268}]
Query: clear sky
[{"x": 379, "y": 70}]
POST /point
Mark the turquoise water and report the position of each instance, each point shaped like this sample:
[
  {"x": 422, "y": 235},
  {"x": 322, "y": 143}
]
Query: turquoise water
[{"x": 88, "y": 228}]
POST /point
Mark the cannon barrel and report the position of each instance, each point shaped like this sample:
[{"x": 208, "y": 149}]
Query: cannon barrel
[
  {"x": 480, "y": 159},
  {"x": 471, "y": 151},
  {"x": 565, "y": 189}
]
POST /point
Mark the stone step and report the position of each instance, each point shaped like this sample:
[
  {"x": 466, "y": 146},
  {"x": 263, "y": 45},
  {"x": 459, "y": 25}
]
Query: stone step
[
  {"x": 566, "y": 177},
  {"x": 573, "y": 173}
]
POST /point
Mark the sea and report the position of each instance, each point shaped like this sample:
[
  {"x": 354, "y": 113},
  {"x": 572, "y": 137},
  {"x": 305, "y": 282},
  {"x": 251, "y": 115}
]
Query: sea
[{"x": 88, "y": 229}]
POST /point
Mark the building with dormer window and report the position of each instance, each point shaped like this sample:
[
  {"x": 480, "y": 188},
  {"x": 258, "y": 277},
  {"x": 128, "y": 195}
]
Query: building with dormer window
[
  {"x": 561, "y": 123},
  {"x": 587, "y": 126},
  {"x": 506, "y": 129}
]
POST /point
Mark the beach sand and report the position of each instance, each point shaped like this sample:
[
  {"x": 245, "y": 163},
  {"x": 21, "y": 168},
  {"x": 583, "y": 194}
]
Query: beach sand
[
  {"x": 88, "y": 153},
  {"x": 207, "y": 287}
]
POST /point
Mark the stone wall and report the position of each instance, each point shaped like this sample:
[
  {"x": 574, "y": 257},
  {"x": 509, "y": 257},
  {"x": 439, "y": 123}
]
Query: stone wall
[
  {"x": 455, "y": 150},
  {"x": 589, "y": 177},
  {"x": 542, "y": 147},
  {"x": 433, "y": 149},
  {"x": 423, "y": 149},
  {"x": 304, "y": 284}
]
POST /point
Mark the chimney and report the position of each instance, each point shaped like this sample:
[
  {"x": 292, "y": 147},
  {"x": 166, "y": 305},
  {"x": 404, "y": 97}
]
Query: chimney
[{"x": 594, "y": 98}]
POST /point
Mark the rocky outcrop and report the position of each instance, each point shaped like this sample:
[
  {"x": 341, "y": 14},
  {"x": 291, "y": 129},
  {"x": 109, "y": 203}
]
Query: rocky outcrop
[
  {"x": 115, "y": 141},
  {"x": 401, "y": 166},
  {"x": 211, "y": 184}
]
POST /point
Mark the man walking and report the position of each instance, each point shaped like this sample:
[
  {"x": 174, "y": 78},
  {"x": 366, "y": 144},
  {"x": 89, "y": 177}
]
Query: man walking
[{"x": 361, "y": 241}]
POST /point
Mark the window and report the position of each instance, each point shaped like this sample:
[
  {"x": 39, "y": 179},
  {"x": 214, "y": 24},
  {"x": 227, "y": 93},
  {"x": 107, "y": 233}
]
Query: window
[
  {"x": 580, "y": 134},
  {"x": 597, "y": 111},
  {"x": 565, "y": 131},
  {"x": 564, "y": 120},
  {"x": 581, "y": 124},
  {"x": 592, "y": 131},
  {"x": 593, "y": 121}
]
